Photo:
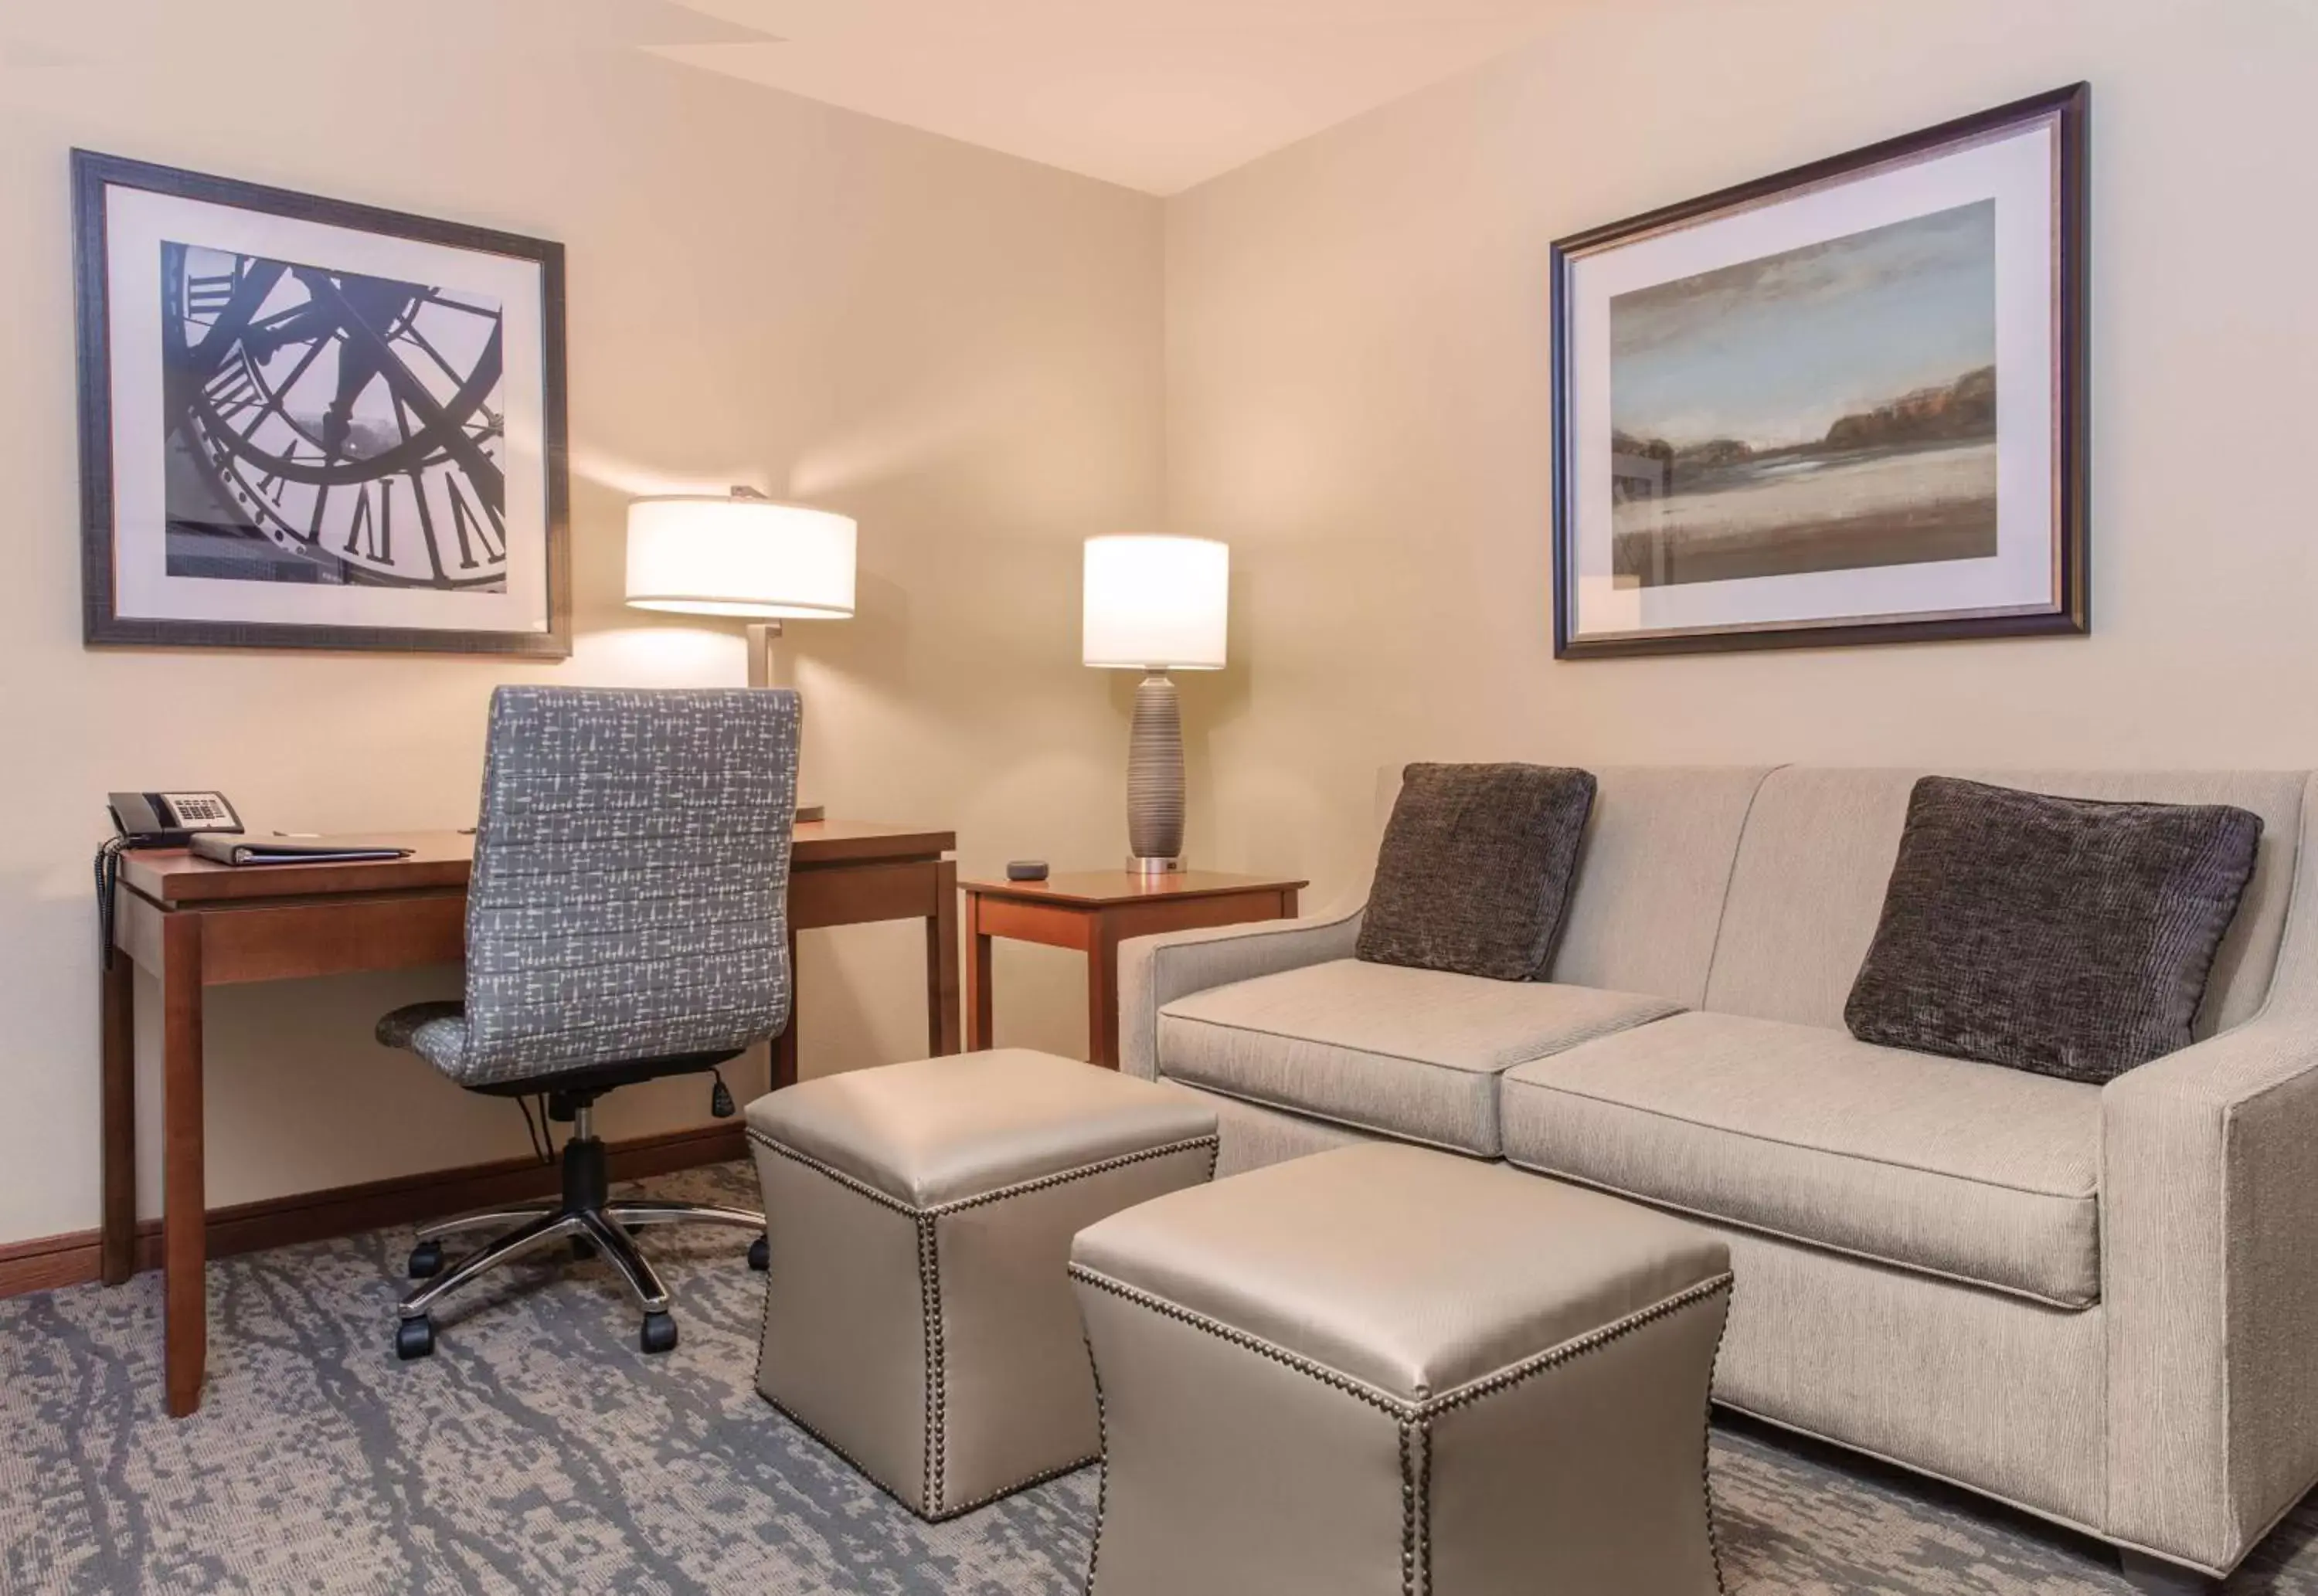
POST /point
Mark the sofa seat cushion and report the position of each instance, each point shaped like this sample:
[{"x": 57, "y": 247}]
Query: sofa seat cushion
[
  {"x": 1966, "y": 1171},
  {"x": 1411, "y": 1054}
]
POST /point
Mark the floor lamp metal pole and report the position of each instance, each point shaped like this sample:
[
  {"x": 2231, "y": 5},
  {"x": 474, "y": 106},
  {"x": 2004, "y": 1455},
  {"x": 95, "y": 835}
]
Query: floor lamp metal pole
[{"x": 761, "y": 636}]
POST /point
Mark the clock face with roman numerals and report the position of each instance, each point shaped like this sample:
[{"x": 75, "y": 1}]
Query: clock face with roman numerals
[{"x": 327, "y": 426}]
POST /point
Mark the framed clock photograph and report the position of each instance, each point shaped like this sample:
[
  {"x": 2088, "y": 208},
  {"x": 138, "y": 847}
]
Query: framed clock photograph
[{"x": 315, "y": 425}]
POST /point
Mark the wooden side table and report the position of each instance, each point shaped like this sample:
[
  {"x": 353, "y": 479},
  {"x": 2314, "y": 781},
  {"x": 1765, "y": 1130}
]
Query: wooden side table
[{"x": 1094, "y": 910}]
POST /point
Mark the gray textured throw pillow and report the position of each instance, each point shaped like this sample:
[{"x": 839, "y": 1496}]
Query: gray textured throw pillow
[
  {"x": 2061, "y": 935},
  {"x": 1475, "y": 869}
]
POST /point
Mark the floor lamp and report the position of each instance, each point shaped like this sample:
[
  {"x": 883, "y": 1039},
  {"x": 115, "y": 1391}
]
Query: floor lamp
[
  {"x": 744, "y": 555},
  {"x": 1155, "y": 604},
  {"x": 741, "y": 554}
]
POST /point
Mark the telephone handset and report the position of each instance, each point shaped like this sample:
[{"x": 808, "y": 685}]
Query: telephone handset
[{"x": 167, "y": 820}]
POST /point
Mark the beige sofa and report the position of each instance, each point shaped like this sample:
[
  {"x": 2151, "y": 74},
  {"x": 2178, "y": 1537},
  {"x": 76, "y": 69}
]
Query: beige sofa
[{"x": 2097, "y": 1302}]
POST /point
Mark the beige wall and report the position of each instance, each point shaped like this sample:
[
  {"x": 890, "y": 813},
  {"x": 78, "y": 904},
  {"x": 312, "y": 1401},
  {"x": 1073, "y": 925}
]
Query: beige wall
[
  {"x": 959, "y": 348},
  {"x": 1358, "y": 399},
  {"x": 966, "y": 351}
]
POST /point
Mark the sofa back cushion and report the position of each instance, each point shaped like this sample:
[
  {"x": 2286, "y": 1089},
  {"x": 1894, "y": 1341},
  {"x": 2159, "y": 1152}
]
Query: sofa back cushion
[
  {"x": 1651, "y": 882},
  {"x": 1812, "y": 866}
]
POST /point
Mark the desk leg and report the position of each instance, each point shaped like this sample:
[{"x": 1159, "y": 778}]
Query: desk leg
[
  {"x": 784, "y": 1045},
  {"x": 183, "y": 1191},
  {"x": 117, "y": 1026},
  {"x": 977, "y": 978},
  {"x": 1103, "y": 996},
  {"x": 941, "y": 962}
]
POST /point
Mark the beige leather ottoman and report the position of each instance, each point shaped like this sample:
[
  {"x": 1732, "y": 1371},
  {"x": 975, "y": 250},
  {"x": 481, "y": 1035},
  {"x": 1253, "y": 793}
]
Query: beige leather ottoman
[
  {"x": 918, "y": 1313},
  {"x": 1385, "y": 1371}
]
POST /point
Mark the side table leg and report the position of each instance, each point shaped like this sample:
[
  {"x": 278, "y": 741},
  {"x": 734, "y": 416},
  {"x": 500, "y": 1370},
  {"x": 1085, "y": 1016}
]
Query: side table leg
[
  {"x": 117, "y": 1026},
  {"x": 1102, "y": 997},
  {"x": 185, "y": 1243},
  {"x": 978, "y": 989},
  {"x": 942, "y": 963}
]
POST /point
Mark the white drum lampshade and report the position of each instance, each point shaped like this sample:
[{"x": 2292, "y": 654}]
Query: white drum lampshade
[
  {"x": 1156, "y": 602},
  {"x": 742, "y": 555},
  {"x": 1154, "y": 605},
  {"x": 739, "y": 556}
]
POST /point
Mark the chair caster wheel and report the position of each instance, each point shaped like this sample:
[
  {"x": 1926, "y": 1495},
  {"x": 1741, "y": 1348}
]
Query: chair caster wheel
[
  {"x": 426, "y": 1261},
  {"x": 414, "y": 1338},
  {"x": 582, "y": 1249},
  {"x": 760, "y": 1255},
  {"x": 660, "y": 1332}
]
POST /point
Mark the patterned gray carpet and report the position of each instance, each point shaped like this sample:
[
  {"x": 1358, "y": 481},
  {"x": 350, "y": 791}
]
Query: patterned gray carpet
[{"x": 539, "y": 1451}]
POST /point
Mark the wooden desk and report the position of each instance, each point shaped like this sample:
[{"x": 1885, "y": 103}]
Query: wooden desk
[
  {"x": 195, "y": 924},
  {"x": 1095, "y": 910}
]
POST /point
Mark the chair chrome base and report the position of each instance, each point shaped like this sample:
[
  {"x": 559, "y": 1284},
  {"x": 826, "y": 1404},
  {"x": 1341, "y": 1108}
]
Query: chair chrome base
[{"x": 587, "y": 1214}]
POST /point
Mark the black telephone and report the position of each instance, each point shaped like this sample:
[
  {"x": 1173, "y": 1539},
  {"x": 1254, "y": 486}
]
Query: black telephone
[
  {"x": 167, "y": 820},
  {"x": 152, "y": 819}
]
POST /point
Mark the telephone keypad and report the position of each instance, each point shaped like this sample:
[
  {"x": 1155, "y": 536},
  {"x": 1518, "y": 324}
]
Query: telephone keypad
[{"x": 198, "y": 810}]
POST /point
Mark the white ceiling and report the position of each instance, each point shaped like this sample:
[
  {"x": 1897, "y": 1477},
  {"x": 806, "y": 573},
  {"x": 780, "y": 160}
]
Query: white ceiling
[
  {"x": 262, "y": 35},
  {"x": 1158, "y": 95}
]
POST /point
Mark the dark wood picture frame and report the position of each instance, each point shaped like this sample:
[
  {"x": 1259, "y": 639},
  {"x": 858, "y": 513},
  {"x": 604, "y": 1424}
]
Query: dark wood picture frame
[
  {"x": 92, "y": 175},
  {"x": 2070, "y": 106}
]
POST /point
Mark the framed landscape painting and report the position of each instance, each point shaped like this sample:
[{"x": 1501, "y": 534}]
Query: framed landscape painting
[
  {"x": 1845, "y": 404},
  {"x": 308, "y": 424}
]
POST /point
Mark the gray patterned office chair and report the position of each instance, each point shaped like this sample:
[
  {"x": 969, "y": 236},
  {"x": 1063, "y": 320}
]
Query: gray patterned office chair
[{"x": 627, "y": 918}]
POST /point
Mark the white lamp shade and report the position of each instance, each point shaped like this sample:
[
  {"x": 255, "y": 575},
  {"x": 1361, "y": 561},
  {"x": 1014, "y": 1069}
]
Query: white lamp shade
[
  {"x": 706, "y": 556},
  {"x": 1155, "y": 601}
]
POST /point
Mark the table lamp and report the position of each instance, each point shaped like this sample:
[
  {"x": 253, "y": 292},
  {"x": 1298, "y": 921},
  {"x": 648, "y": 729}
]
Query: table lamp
[
  {"x": 741, "y": 554},
  {"x": 1155, "y": 604}
]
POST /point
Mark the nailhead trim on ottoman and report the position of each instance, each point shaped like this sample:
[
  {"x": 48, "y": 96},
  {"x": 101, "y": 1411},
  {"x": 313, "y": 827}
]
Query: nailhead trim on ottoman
[
  {"x": 1414, "y": 1419},
  {"x": 1201, "y": 1416},
  {"x": 937, "y": 1421}
]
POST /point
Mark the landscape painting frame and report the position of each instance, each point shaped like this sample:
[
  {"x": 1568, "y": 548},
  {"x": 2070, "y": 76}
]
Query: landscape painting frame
[{"x": 1842, "y": 404}]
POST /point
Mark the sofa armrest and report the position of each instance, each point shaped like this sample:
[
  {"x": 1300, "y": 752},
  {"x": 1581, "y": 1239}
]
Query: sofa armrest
[
  {"x": 2209, "y": 1279},
  {"x": 1155, "y": 970}
]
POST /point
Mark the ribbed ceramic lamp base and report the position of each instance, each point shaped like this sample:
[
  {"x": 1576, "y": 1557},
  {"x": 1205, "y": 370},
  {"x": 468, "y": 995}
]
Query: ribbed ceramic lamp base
[{"x": 1154, "y": 779}]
